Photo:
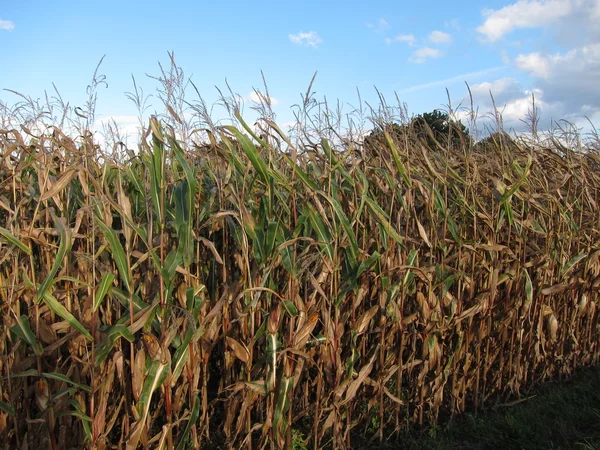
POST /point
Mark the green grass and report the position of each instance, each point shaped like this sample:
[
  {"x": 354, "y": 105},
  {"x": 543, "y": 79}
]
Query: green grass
[{"x": 561, "y": 415}]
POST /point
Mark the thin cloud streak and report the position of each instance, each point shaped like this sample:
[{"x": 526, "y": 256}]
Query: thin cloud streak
[
  {"x": 6, "y": 25},
  {"x": 451, "y": 80},
  {"x": 310, "y": 39}
]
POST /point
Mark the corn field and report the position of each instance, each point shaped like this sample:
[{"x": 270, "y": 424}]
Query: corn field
[{"x": 257, "y": 293}]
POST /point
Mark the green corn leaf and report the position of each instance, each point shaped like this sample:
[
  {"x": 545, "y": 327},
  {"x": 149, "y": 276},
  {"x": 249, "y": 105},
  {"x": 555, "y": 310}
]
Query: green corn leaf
[
  {"x": 193, "y": 301},
  {"x": 528, "y": 287},
  {"x": 185, "y": 248},
  {"x": 63, "y": 248},
  {"x": 322, "y": 231},
  {"x": 186, "y": 197},
  {"x": 77, "y": 414},
  {"x": 156, "y": 164},
  {"x": 439, "y": 201},
  {"x": 169, "y": 270},
  {"x": 509, "y": 193},
  {"x": 182, "y": 206},
  {"x": 114, "y": 333},
  {"x": 285, "y": 247},
  {"x": 136, "y": 181},
  {"x": 72, "y": 280},
  {"x": 190, "y": 174},
  {"x": 57, "y": 308},
  {"x": 410, "y": 262},
  {"x": 85, "y": 419},
  {"x": 368, "y": 263},
  {"x": 335, "y": 163},
  {"x": 119, "y": 255},
  {"x": 507, "y": 209},
  {"x": 251, "y": 132},
  {"x": 396, "y": 157},
  {"x": 141, "y": 233},
  {"x": 381, "y": 217},
  {"x": 103, "y": 289},
  {"x": 27, "y": 373},
  {"x": 120, "y": 330},
  {"x": 260, "y": 332},
  {"x": 290, "y": 308},
  {"x": 283, "y": 403},
  {"x": 537, "y": 227},
  {"x": 13, "y": 240},
  {"x": 252, "y": 153},
  {"x": 501, "y": 218},
  {"x": 23, "y": 330},
  {"x": 270, "y": 238},
  {"x": 303, "y": 175},
  {"x": 567, "y": 267},
  {"x": 452, "y": 227},
  {"x": 124, "y": 299},
  {"x": 156, "y": 376},
  {"x": 232, "y": 157},
  {"x": 7, "y": 408},
  {"x": 347, "y": 227},
  {"x": 364, "y": 185},
  {"x": 183, "y": 441},
  {"x": 180, "y": 358},
  {"x": 66, "y": 379}
]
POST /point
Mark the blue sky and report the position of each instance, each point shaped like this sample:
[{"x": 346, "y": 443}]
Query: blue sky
[{"x": 414, "y": 49}]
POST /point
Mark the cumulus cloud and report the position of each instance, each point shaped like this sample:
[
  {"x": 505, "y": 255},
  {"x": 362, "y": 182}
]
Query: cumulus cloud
[
  {"x": 109, "y": 128},
  {"x": 564, "y": 86},
  {"x": 503, "y": 90},
  {"x": 127, "y": 125},
  {"x": 310, "y": 39},
  {"x": 514, "y": 101},
  {"x": 6, "y": 25},
  {"x": 423, "y": 54},
  {"x": 564, "y": 82},
  {"x": 258, "y": 97},
  {"x": 534, "y": 63},
  {"x": 439, "y": 37},
  {"x": 407, "y": 38},
  {"x": 510, "y": 98},
  {"x": 570, "y": 78},
  {"x": 569, "y": 22},
  {"x": 380, "y": 26},
  {"x": 524, "y": 14}
]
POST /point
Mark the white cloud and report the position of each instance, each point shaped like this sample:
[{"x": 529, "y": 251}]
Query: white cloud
[
  {"x": 439, "y": 37},
  {"x": 503, "y": 89},
  {"x": 408, "y": 38},
  {"x": 127, "y": 126},
  {"x": 257, "y": 97},
  {"x": 525, "y": 14},
  {"x": 534, "y": 63},
  {"x": 514, "y": 102},
  {"x": 511, "y": 100},
  {"x": 380, "y": 26},
  {"x": 423, "y": 54},
  {"x": 570, "y": 78},
  {"x": 310, "y": 39},
  {"x": 6, "y": 25},
  {"x": 565, "y": 82}
]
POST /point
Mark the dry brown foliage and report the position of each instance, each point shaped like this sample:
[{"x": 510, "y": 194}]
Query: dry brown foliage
[{"x": 237, "y": 295}]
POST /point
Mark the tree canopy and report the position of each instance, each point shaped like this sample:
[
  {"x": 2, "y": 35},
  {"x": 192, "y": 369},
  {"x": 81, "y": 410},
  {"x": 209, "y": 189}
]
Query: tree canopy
[{"x": 428, "y": 127}]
